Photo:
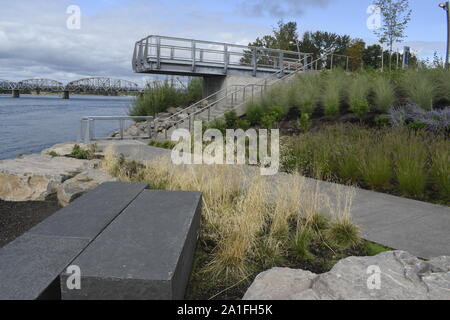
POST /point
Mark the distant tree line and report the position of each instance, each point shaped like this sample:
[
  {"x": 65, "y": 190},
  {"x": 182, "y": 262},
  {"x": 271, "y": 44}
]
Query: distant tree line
[{"x": 285, "y": 37}]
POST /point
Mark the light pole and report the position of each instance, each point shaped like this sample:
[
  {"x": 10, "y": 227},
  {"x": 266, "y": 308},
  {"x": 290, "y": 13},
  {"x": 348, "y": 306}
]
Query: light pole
[{"x": 446, "y": 7}]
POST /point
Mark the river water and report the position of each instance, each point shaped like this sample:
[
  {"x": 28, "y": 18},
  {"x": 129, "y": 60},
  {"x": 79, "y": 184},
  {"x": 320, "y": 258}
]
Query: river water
[{"x": 32, "y": 123}]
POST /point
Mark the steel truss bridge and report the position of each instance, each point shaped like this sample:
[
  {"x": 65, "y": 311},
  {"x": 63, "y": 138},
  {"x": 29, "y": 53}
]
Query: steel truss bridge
[{"x": 97, "y": 85}]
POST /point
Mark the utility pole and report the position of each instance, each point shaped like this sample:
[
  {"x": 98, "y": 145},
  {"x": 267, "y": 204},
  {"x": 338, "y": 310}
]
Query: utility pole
[{"x": 446, "y": 7}]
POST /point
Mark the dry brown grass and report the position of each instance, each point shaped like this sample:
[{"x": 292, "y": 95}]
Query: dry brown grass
[{"x": 246, "y": 216}]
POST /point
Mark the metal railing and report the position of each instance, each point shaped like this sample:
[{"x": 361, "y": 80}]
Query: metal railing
[
  {"x": 158, "y": 49},
  {"x": 87, "y": 127},
  {"x": 237, "y": 96}
]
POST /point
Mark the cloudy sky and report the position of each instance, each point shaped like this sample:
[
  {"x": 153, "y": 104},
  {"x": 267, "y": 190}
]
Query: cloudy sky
[{"x": 35, "y": 40}]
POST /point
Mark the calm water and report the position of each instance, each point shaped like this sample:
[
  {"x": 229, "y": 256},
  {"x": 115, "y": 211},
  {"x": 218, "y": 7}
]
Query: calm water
[{"x": 32, "y": 123}]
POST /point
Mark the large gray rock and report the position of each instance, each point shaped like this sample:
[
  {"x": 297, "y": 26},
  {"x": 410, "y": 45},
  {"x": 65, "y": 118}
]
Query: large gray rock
[
  {"x": 80, "y": 184},
  {"x": 402, "y": 277},
  {"x": 36, "y": 177}
]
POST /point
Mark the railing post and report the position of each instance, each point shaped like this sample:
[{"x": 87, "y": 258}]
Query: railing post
[
  {"x": 87, "y": 139},
  {"x": 281, "y": 58},
  {"x": 158, "y": 53},
  {"x": 201, "y": 55},
  {"x": 121, "y": 124},
  {"x": 225, "y": 58},
  {"x": 81, "y": 132},
  {"x": 149, "y": 128},
  {"x": 346, "y": 66},
  {"x": 193, "y": 55},
  {"x": 254, "y": 61},
  {"x": 331, "y": 62},
  {"x": 146, "y": 50},
  {"x": 93, "y": 130}
]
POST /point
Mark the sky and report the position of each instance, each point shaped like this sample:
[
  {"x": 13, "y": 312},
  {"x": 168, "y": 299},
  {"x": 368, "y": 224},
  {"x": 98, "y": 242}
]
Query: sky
[{"x": 36, "y": 43}]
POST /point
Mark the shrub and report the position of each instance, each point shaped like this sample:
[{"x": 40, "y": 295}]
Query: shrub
[
  {"x": 382, "y": 120},
  {"x": 384, "y": 93},
  {"x": 268, "y": 121},
  {"x": 218, "y": 124},
  {"x": 242, "y": 124},
  {"x": 166, "y": 144},
  {"x": 52, "y": 154},
  {"x": 79, "y": 153},
  {"x": 304, "y": 122},
  {"x": 230, "y": 118},
  {"x": 437, "y": 120},
  {"x": 254, "y": 113}
]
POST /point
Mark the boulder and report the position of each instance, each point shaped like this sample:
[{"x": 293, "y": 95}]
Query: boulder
[
  {"x": 394, "y": 275},
  {"x": 80, "y": 184},
  {"x": 36, "y": 177}
]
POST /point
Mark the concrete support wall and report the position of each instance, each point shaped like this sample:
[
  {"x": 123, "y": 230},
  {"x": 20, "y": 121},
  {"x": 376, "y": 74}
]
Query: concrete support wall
[
  {"x": 215, "y": 83},
  {"x": 16, "y": 93}
]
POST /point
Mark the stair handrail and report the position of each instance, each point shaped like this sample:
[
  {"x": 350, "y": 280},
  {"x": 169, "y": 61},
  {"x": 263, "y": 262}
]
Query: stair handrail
[
  {"x": 261, "y": 83},
  {"x": 257, "y": 84}
]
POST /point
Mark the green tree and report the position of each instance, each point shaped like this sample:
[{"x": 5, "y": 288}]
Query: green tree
[
  {"x": 396, "y": 16},
  {"x": 283, "y": 37},
  {"x": 356, "y": 53},
  {"x": 372, "y": 56}
]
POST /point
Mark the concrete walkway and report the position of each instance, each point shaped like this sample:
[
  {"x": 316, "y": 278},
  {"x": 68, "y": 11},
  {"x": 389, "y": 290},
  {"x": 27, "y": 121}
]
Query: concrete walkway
[{"x": 421, "y": 228}]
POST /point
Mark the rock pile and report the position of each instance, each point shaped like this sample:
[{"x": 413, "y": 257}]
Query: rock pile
[{"x": 395, "y": 275}]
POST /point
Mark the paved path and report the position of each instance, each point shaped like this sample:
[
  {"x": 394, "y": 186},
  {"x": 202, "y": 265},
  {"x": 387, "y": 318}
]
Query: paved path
[{"x": 423, "y": 229}]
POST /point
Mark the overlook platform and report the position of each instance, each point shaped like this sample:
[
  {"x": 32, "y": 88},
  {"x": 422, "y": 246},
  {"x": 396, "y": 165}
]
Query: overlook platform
[{"x": 188, "y": 57}]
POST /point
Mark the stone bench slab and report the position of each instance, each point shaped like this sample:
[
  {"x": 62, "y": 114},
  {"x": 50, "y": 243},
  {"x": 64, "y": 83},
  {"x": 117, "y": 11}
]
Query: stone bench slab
[
  {"x": 145, "y": 253},
  {"x": 30, "y": 265}
]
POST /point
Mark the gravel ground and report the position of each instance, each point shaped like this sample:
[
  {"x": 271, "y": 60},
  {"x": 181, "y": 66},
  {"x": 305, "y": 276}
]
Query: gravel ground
[{"x": 18, "y": 217}]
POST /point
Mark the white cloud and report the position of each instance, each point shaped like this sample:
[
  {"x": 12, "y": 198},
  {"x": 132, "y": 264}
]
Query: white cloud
[
  {"x": 280, "y": 8},
  {"x": 35, "y": 42}
]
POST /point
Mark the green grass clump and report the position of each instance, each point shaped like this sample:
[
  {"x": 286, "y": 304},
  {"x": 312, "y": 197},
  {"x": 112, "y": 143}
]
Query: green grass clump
[
  {"x": 332, "y": 93},
  {"x": 411, "y": 165},
  {"x": 357, "y": 93},
  {"x": 343, "y": 234},
  {"x": 308, "y": 87},
  {"x": 158, "y": 97},
  {"x": 375, "y": 166},
  {"x": 52, "y": 154},
  {"x": 414, "y": 163},
  {"x": 440, "y": 169},
  {"x": 384, "y": 93},
  {"x": 372, "y": 248},
  {"x": 166, "y": 144},
  {"x": 419, "y": 87},
  {"x": 79, "y": 153}
]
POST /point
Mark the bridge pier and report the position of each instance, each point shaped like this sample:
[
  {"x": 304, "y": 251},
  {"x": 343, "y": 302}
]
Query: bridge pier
[
  {"x": 66, "y": 94},
  {"x": 15, "y": 93}
]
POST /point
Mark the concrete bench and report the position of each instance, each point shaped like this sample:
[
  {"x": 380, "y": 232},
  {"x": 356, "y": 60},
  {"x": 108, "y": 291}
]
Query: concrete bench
[
  {"x": 30, "y": 265},
  {"x": 145, "y": 253}
]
